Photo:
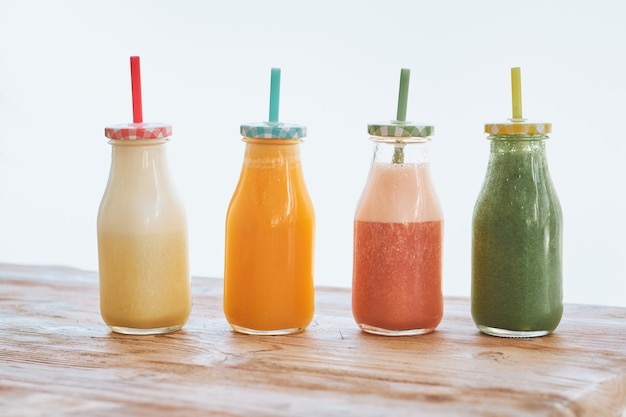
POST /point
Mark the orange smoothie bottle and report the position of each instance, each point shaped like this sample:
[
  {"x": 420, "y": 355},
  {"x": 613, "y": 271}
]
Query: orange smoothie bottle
[
  {"x": 142, "y": 233},
  {"x": 398, "y": 233},
  {"x": 270, "y": 232}
]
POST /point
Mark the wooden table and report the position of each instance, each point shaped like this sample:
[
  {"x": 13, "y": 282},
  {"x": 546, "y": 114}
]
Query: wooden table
[{"x": 58, "y": 358}]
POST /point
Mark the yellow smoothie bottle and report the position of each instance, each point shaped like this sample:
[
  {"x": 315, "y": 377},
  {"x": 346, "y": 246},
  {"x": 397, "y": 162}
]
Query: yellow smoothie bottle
[{"x": 142, "y": 231}]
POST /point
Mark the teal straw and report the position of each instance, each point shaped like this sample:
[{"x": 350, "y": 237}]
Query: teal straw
[
  {"x": 405, "y": 75},
  {"x": 274, "y": 95}
]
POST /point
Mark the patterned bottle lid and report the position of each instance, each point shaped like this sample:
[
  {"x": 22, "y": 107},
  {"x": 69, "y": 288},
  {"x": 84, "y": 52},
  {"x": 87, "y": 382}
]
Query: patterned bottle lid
[
  {"x": 518, "y": 127},
  {"x": 273, "y": 130},
  {"x": 138, "y": 131},
  {"x": 398, "y": 129}
]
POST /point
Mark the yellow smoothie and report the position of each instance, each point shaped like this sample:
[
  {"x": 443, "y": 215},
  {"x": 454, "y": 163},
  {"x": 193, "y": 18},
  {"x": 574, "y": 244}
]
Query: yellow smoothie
[{"x": 144, "y": 279}]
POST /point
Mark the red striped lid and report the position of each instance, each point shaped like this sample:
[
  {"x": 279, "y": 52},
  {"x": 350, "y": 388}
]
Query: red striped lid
[{"x": 138, "y": 131}]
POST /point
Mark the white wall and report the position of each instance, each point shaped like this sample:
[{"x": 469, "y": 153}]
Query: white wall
[{"x": 205, "y": 67}]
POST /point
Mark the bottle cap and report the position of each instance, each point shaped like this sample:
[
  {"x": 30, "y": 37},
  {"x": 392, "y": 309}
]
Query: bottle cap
[
  {"x": 135, "y": 131},
  {"x": 272, "y": 129},
  {"x": 401, "y": 128},
  {"x": 269, "y": 130},
  {"x": 517, "y": 125}
]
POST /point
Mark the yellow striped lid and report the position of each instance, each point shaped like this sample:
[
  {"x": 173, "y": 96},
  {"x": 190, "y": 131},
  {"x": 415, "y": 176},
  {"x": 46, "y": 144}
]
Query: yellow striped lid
[{"x": 518, "y": 127}]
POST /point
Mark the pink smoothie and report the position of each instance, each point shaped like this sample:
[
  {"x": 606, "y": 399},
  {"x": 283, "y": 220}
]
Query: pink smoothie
[
  {"x": 398, "y": 235},
  {"x": 399, "y": 193},
  {"x": 399, "y": 270}
]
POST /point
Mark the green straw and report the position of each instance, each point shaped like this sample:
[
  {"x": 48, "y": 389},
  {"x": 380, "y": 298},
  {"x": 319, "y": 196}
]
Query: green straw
[
  {"x": 516, "y": 93},
  {"x": 274, "y": 95},
  {"x": 403, "y": 96}
]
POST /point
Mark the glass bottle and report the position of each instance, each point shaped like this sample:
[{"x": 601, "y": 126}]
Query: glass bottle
[
  {"x": 517, "y": 236},
  {"x": 270, "y": 230},
  {"x": 398, "y": 237},
  {"x": 142, "y": 236}
]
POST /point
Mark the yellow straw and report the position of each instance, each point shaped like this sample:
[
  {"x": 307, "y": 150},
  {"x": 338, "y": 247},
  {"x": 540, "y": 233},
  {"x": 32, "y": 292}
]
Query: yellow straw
[{"x": 516, "y": 89}]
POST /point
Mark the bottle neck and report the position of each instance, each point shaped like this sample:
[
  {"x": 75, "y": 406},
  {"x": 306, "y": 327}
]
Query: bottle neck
[
  {"x": 532, "y": 145},
  {"x": 272, "y": 152},
  {"x": 399, "y": 188},
  {"x": 516, "y": 156},
  {"x": 389, "y": 150},
  {"x": 138, "y": 158}
]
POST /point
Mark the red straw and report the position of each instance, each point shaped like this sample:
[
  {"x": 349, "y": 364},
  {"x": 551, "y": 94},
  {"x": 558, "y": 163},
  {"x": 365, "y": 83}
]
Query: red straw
[{"x": 135, "y": 79}]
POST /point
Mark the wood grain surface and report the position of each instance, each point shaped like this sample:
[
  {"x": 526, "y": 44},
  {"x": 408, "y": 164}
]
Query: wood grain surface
[{"x": 57, "y": 358}]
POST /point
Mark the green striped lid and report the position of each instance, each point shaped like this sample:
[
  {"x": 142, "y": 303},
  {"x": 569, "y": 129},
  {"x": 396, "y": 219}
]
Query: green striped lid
[
  {"x": 273, "y": 130},
  {"x": 398, "y": 129}
]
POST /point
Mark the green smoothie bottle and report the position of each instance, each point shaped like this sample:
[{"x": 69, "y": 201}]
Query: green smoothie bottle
[{"x": 517, "y": 285}]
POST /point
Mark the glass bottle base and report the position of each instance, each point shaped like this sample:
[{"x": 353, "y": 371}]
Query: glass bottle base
[
  {"x": 144, "y": 332},
  {"x": 386, "y": 332},
  {"x": 494, "y": 331},
  {"x": 277, "y": 332}
]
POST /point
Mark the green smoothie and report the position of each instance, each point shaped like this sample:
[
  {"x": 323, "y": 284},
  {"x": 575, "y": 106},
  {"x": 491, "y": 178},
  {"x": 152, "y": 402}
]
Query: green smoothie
[{"x": 516, "y": 242}]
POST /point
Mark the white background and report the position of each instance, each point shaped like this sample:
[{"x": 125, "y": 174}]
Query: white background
[{"x": 64, "y": 76}]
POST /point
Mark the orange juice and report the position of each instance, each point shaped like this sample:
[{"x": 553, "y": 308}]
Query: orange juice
[{"x": 270, "y": 227}]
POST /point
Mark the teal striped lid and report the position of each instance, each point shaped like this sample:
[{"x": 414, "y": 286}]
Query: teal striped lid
[{"x": 269, "y": 130}]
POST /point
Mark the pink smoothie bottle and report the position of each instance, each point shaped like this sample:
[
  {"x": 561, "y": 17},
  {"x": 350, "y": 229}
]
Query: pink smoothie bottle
[{"x": 398, "y": 233}]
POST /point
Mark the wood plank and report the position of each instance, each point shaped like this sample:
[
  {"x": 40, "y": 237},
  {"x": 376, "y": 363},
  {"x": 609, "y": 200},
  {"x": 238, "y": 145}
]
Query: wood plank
[{"x": 57, "y": 357}]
